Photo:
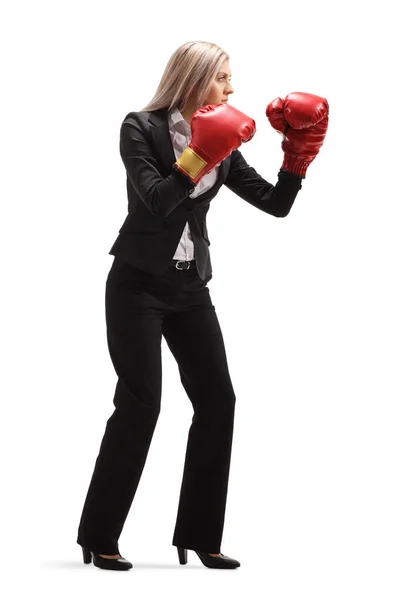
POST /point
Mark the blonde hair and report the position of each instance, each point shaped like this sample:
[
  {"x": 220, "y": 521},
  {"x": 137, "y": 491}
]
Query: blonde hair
[{"x": 190, "y": 70}]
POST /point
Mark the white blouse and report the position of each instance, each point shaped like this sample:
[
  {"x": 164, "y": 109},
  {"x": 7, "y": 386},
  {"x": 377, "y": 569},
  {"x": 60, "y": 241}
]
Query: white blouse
[{"x": 181, "y": 134}]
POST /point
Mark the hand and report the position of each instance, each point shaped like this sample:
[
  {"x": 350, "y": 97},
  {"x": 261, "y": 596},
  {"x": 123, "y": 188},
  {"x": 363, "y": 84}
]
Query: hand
[
  {"x": 302, "y": 118},
  {"x": 217, "y": 130}
]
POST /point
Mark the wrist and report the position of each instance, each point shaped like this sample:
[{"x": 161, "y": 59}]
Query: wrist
[
  {"x": 191, "y": 164},
  {"x": 298, "y": 166},
  {"x": 189, "y": 184}
]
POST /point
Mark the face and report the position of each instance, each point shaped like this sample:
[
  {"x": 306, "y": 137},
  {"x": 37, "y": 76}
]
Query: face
[{"x": 221, "y": 87}]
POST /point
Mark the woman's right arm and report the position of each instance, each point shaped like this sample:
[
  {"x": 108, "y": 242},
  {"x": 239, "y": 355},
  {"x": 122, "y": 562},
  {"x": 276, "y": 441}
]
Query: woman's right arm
[{"x": 160, "y": 195}]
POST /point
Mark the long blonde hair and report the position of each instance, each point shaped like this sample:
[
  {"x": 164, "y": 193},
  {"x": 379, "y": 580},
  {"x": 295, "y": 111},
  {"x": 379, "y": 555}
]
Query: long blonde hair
[{"x": 190, "y": 70}]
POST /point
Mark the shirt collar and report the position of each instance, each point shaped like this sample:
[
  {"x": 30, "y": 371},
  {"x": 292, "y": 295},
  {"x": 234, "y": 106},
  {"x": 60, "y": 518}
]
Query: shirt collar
[{"x": 176, "y": 121}]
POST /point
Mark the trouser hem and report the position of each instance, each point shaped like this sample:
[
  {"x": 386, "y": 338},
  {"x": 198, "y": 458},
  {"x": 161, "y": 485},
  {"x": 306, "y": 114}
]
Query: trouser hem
[
  {"x": 200, "y": 547},
  {"x": 98, "y": 548}
]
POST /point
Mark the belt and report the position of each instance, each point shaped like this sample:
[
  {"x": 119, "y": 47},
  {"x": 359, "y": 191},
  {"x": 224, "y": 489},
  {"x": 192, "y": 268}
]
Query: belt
[{"x": 182, "y": 265}]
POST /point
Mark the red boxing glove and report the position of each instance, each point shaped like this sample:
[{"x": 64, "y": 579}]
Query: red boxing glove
[
  {"x": 217, "y": 130},
  {"x": 303, "y": 120}
]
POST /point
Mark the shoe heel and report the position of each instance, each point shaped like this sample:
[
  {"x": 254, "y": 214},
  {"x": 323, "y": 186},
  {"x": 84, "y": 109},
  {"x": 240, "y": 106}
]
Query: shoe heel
[
  {"x": 182, "y": 553},
  {"x": 87, "y": 556}
]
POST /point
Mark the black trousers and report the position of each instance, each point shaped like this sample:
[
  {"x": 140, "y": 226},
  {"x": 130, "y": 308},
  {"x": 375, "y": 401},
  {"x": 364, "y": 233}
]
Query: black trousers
[{"x": 140, "y": 308}]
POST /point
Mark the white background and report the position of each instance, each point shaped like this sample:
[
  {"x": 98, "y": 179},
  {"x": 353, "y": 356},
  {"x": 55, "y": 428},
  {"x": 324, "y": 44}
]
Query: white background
[{"x": 308, "y": 304}]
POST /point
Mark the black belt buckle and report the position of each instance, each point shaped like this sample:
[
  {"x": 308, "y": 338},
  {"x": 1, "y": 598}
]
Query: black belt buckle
[{"x": 182, "y": 268}]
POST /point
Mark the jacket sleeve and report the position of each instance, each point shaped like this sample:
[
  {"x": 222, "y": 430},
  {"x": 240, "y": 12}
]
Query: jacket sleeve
[
  {"x": 160, "y": 195},
  {"x": 276, "y": 199}
]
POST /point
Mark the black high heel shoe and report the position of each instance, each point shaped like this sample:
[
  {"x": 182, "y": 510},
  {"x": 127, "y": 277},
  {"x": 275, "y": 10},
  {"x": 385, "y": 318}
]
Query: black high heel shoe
[
  {"x": 213, "y": 562},
  {"x": 115, "y": 564}
]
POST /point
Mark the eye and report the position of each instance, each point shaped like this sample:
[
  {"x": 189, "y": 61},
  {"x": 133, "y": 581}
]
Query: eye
[{"x": 223, "y": 77}]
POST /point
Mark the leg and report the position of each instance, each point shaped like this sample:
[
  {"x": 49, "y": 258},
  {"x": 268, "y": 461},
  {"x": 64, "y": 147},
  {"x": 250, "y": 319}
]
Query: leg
[
  {"x": 134, "y": 340},
  {"x": 195, "y": 339}
]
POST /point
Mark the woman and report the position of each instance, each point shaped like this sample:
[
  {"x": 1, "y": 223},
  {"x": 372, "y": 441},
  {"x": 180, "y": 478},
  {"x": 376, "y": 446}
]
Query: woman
[{"x": 177, "y": 152}]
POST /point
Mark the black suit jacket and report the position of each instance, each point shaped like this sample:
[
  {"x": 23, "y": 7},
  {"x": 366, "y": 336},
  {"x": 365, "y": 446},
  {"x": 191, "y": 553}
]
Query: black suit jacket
[{"x": 158, "y": 196}]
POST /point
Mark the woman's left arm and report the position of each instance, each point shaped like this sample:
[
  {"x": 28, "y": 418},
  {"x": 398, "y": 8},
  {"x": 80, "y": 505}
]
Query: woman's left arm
[
  {"x": 302, "y": 119},
  {"x": 276, "y": 200}
]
